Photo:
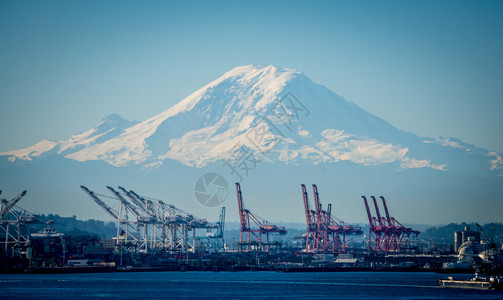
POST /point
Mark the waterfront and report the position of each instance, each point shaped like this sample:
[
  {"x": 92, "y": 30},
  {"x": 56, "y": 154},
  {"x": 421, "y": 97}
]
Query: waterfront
[{"x": 235, "y": 285}]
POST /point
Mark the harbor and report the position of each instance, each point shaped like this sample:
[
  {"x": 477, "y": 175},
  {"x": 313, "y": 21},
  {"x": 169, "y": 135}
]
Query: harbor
[{"x": 151, "y": 235}]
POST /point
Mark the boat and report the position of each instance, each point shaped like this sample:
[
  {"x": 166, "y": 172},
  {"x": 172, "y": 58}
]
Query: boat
[
  {"x": 47, "y": 232},
  {"x": 477, "y": 282}
]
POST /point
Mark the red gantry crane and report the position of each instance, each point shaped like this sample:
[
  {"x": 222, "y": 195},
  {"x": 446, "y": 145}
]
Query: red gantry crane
[
  {"x": 386, "y": 234},
  {"x": 325, "y": 233},
  {"x": 249, "y": 236}
]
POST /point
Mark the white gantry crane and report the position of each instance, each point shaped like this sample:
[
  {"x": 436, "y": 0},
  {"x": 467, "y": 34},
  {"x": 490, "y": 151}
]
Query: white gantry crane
[
  {"x": 15, "y": 226},
  {"x": 216, "y": 242},
  {"x": 145, "y": 224}
]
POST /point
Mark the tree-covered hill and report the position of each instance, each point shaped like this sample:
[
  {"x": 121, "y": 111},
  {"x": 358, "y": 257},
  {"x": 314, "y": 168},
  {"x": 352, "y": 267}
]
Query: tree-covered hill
[
  {"x": 446, "y": 233},
  {"x": 73, "y": 226}
]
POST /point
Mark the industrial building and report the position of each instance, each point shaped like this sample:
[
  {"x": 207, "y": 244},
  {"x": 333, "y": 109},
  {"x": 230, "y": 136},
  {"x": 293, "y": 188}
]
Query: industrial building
[{"x": 465, "y": 235}]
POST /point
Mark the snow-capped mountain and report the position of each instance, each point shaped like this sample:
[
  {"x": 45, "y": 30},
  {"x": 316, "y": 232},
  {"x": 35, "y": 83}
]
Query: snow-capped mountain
[
  {"x": 276, "y": 115},
  {"x": 271, "y": 129}
]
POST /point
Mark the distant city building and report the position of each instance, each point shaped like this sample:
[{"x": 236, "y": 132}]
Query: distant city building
[{"x": 465, "y": 235}]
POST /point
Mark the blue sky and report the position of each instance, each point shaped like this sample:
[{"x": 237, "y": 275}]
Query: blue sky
[{"x": 433, "y": 68}]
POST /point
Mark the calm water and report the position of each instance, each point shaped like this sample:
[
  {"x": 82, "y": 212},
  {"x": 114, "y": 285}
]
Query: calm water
[{"x": 238, "y": 285}]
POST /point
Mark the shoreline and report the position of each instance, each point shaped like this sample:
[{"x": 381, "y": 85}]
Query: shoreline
[{"x": 183, "y": 268}]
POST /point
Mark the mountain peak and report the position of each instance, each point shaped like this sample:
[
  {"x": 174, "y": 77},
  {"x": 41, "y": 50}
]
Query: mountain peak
[
  {"x": 113, "y": 118},
  {"x": 255, "y": 69},
  {"x": 258, "y": 75},
  {"x": 113, "y": 121}
]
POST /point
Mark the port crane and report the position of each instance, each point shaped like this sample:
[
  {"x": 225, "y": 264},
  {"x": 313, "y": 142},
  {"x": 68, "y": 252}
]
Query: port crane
[
  {"x": 325, "y": 232},
  {"x": 216, "y": 240},
  {"x": 491, "y": 253},
  {"x": 376, "y": 230},
  {"x": 174, "y": 223},
  {"x": 145, "y": 224},
  {"x": 8, "y": 204},
  {"x": 179, "y": 222},
  {"x": 127, "y": 235},
  {"x": 156, "y": 237},
  {"x": 143, "y": 220},
  {"x": 386, "y": 234},
  {"x": 490, "y": 242},
  {"x": 252, "y": 238},
  {"x": 15, "y": 225}
]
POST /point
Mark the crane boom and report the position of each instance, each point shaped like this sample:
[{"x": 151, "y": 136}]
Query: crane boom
[
  {"x": 369, "y": 215},
  {"x": 138, "y": 196},
  {"x": 316, "y": 199},
  {"x": 320, "y": 216},
  {"x": 386, "y": 210},
  {"x": 11, "y": 203},
  {"x": 242, "y": 213},
  {"x": 135, "y": 200},
  {"x": 490, "y": 243},
  {"x": 309, "y": 218},
  {"x": 100, "y": 202},
  {"x": 377, "y": 211},
  {"x": 124, "y": 201}
]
